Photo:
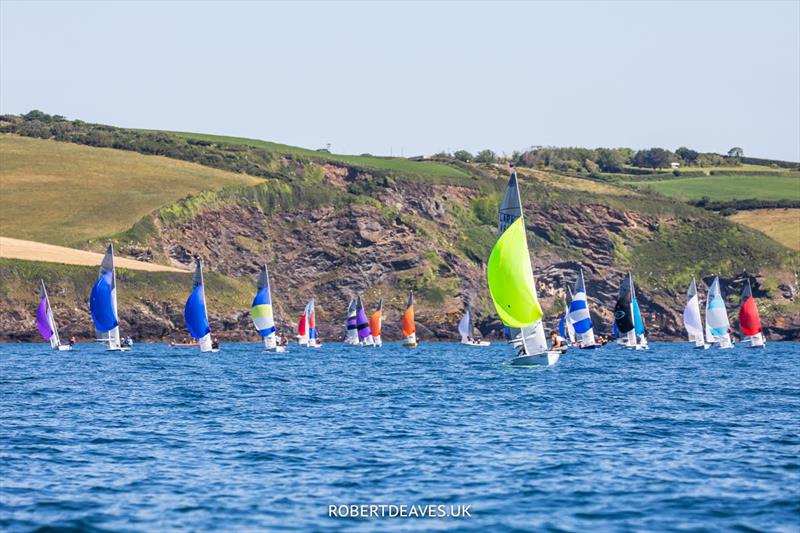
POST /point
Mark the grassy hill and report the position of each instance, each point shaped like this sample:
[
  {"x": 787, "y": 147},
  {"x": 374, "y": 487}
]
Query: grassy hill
[
  {"x": 729, "y": 187},
  {"x": 395, "y": 164},
  {"x": 331, "y": 228},
  {"x": 64, "y": 193},
  {"x": 783, "y": 225}
]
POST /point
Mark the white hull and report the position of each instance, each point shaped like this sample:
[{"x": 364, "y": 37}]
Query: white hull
[
  {"x": 276, "y": 349},
  {"x": 118, "y": 349},
  {"x": 64, "y": 347},
  {"x": 476, "y": 343},
  {"x": 543, "y": 359}
]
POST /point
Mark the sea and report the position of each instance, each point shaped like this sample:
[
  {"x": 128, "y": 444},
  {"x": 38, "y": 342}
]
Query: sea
[{"x": 169, "y": 439}]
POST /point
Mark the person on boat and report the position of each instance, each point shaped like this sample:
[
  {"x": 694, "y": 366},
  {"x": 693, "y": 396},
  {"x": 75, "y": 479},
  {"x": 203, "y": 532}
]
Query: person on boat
[
  {"x": 282, "y": 340},
  {"x": 214, "y": 344},
  {"x": 72, "y": 341},
  {"x": 557, "y": 341}
]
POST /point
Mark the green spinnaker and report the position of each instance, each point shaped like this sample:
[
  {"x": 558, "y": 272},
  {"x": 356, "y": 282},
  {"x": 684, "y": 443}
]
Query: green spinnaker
[{"x": 511, "y": 279}]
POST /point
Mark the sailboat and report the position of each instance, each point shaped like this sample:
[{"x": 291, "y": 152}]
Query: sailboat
[
  {"x": 195, "y": 312},
  {"x": 565, "y": 329},
  {"x": 579, "y": 316},
  {"x": 465, "y": 329},
  {"x": 749, "y": 320},
  {"x": 46, "y": 323},
  {"x": 307, "y": 327},
  {"x": 692, "y": 320},
  {"x": 350, "y": 327},
  {"x": 103, "y": 304},
  {"x": 512, "y": 287},
  {"x": 628, "y": 317},
  {"x": 362, "y": 325},
  {"x": 717, "y": 324},
  {"x": 408, "y": 326},
  {"x": 261, "y": 313},
  {"x": 375, "y": 324}
]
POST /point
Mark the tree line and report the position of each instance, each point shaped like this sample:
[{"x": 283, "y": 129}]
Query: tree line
[{"x": 594, "y": 160}]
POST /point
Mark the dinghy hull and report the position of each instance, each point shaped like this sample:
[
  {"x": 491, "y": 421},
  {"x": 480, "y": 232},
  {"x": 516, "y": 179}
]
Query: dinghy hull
[{"x": 543, "y": 359}]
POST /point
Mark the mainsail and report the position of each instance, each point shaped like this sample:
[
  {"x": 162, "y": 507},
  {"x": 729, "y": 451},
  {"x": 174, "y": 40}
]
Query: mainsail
[
  {"x": 749, "y": 319},
  {"x": 565, "y": 327},
  {"x": 350, "y": 326},
  {"x": 510, "y": 276},
  {"x": 375, "y": 323},
  {"x": 692, "y": 320},
  {"x": 408, "y": 326},
  {"x": 717, "y": 324},
  {"x": 579, "y": 314},
  {"x": 362, "y": 324},
  {"x": 465, "y": 326},
  {"x": 261, "y": 311},
  {"x": 195, "y": 312},
  {"x": 45, "y": 321},
  {"x": 103, "y": 302}
]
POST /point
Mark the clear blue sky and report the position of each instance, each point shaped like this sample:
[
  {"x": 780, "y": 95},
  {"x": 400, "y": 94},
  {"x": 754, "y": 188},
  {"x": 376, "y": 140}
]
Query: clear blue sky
[{"x": 420, "y": 77}]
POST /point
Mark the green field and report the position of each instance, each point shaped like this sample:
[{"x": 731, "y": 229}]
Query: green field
[
  {"x": 397, "y": 164},
  {"x": 63, "y": 193},
  {"x": 783, "y": 225},
  {"x": 723, "y": 188}
]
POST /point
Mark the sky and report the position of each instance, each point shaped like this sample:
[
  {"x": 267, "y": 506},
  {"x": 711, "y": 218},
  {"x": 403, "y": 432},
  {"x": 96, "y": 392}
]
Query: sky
[{"x": 411, "y": 78}]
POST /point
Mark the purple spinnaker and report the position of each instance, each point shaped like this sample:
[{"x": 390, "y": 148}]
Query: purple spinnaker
[
  {"x": 361, "y": 322},
  {"x": 42, "y": 322}
]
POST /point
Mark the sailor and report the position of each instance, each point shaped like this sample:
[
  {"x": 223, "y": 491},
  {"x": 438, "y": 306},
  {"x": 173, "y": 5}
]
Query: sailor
[{"x": 557, "y": 341}]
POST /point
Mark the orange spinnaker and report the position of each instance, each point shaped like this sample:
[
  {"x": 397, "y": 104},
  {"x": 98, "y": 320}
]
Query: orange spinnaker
[
  {"x": 408, "y": 321},
  {"x": 375, "y": 324}
]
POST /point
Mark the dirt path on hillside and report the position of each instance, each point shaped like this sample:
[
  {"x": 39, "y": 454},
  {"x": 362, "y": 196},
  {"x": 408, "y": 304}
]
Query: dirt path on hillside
[{"x": 50, "y": 253}]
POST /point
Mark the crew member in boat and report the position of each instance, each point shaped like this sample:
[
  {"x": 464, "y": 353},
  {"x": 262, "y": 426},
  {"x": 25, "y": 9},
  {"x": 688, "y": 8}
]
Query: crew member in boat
[
  {"x": 72, "y": 341},
  {"x": 282, "y": 340},
  {"x": 214, "y": 344},
  {"x": 557, "y": 341}
]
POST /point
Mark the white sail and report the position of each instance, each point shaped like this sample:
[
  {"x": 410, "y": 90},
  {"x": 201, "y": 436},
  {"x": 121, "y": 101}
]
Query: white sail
[
  {"x": 692, "y": 320},
  {"x": 717, "y": 324},
  {"x": 464, "y": 326}
]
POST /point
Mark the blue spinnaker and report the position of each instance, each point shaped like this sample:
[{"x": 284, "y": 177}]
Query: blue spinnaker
[
  {"x": 195, "y": 314},
  {"x": 101, "y": 303}
]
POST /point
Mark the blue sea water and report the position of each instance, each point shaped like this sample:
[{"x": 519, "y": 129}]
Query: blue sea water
[{"x": 167, "y": 439}]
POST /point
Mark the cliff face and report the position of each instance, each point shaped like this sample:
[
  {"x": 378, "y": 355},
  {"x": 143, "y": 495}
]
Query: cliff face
[{"x": 333, "y": 231}]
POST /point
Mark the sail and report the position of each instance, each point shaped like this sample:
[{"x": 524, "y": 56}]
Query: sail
[
  {"x": 510, "y": 278},
  {"x": 43, "y": 317},
  {"x": 376, "y": 321},
  {"x": 692, "y": 320},
  {"x": 565, "y": 327},
  {"x": 717, "y": 324},
  {"x": 195, "y": 312},
  {"x": 465, "y": 326},
  {"x": 579, "y": 314},
  {"x": 103, "y": 301},
  {"x": 638, "y": 322},
  {"x": 261, "y": 310},
  {"x": 408, "y": 326},
  {"x": 311, "y": 319},
  {"x": 362, "y": 323},
  {"x": 749, "y": 320},
  {"x": 302, "y": 328},
  {"x": 351, "y": 328},
  {"x": 623, "y": 310}
]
